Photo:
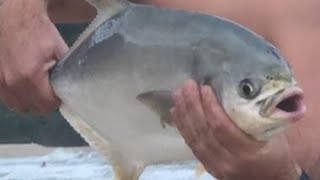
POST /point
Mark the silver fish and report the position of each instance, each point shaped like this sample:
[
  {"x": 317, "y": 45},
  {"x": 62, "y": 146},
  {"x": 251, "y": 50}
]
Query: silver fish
[{"x": 117, "y": 79}]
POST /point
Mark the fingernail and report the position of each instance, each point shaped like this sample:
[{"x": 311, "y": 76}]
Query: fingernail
[
  {"x": 50, "y": 64},
  {"x": 205, "y": 89},
  {"x": 192, "y": 83}
]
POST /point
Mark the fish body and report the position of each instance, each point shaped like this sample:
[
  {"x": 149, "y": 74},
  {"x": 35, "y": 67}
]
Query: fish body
[{"x": 116, "y": 80}]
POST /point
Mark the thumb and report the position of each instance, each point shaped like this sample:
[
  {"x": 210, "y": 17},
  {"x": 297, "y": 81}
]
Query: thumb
[
  {"x": 59, "y": 51},
  {"x": 61, "y": 48}
]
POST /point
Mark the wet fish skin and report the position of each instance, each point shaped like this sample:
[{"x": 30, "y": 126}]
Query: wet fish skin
[
  {"x": 209, "y": 49},
  {"x": 145, "y": 48}
]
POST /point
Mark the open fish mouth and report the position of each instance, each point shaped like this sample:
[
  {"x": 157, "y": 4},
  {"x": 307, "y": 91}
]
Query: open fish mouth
[{"x": 286, "y": 104}]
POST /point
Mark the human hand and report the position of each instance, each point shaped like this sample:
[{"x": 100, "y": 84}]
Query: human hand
[
  {"x": 30, "y": 45},
  {"x": 224, "y": 150}
]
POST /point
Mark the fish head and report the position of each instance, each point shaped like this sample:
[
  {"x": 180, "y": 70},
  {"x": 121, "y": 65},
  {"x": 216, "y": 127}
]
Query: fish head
[
  {"x": 265, "y": 108},
  {"x": 262, "y": 98},
  {"x": 254, "y": 83}
]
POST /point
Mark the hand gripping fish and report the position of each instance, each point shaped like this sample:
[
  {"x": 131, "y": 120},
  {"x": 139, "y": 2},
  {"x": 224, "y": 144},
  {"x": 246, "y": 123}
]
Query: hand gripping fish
[{"x": 117, "y": 79}]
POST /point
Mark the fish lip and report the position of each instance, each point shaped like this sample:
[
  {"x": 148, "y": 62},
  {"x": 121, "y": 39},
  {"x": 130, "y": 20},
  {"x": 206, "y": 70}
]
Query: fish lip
[{"x": 271, "y": 110}]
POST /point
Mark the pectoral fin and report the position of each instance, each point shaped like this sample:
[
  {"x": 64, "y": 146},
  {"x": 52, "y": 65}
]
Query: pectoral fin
[{"x": 160, "y": 102}]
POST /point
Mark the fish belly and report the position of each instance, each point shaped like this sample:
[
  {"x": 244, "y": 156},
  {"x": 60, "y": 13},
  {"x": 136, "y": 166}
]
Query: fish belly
[{"x": 102, "y": 93}]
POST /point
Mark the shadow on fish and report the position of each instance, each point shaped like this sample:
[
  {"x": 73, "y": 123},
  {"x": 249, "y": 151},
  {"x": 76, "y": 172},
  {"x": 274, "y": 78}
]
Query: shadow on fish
[{"x": 117, "y": 80}]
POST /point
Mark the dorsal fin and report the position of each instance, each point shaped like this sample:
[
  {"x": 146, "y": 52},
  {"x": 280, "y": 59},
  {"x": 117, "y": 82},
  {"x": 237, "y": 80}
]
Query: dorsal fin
[
  {"x": 106, "y": 5},
  {"x": 105, "y": 10}
]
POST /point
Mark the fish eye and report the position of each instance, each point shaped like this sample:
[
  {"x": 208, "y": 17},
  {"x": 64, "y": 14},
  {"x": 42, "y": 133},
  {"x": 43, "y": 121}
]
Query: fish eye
[{"x": 247, "y": 89}]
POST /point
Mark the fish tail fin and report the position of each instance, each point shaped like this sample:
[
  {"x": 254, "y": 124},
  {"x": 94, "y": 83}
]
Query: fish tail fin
[
  {"x": 85, "y": 131},
  {"x": 123, "y": 169},
  {"x": 200, "y": 170},
  {"x": 127, "y": 171}
]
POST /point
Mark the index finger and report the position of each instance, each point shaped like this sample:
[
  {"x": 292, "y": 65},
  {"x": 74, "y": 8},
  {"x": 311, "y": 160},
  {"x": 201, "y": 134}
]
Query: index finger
[{"x": 225, "y": 130}]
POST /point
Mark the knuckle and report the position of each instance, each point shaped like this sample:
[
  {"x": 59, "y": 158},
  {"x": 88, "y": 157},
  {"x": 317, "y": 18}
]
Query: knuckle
[
  {"x": 218, "y": 125},
  {"x": 16, "y": 80},
  {"x": 226, "y": 170},
  {"x": 201, "y": 148},
  {"x": 12, "y": 81},
  {"x": 191, "y": 140},
  {"x": 50, "y": 108},
  {"x": 47, "y": 106},
  {"x": 40, "y": 110},
  {"x": 18, "y": 108}
]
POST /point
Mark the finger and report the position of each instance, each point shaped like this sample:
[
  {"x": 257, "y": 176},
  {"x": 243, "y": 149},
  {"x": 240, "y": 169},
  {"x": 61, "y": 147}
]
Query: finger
[
  {"x": 9, "y": 92},
  {"x": 23, "y": 92},
  {"x": 227, "y": 133},
  {"x": 209, "y": 153},
  {"x": 12, "y": 102},
  {"x": 61, "y": 48},
  {"x": 194, "y": 109},
  {"x": 178, "y": 113},
  {"x": 49, "y": 65},
  {"x": 9, "y": 98},
  {"x": 194, "y": 128},
  {"x": 188, "y": 114},
  {"x": 44, "y": 98}
]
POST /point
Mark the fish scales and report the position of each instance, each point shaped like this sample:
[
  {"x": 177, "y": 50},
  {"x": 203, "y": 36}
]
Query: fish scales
[{"x": 113, "y": 80}]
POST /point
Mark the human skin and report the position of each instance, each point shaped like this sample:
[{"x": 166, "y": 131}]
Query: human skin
[
  {"x": 30, "y": 46},
  {"x": 224, "y": 150},
  {"x": 292, "y": 26}
]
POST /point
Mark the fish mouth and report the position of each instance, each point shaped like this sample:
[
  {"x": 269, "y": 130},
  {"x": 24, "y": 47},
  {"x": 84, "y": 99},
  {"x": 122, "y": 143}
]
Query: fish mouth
[{"x": 286, "y": 104}]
